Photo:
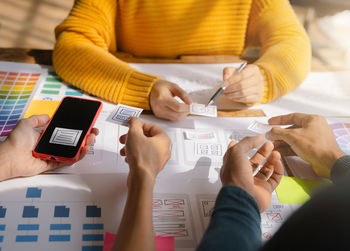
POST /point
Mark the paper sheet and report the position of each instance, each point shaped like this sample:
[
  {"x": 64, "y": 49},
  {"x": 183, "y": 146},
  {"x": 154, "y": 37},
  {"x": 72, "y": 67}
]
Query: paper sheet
[{"x": 293, "y": 190}]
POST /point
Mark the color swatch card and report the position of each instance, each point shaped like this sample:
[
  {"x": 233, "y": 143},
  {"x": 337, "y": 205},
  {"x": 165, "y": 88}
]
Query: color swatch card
[
  {"x": 18, "y": 83},
  {"x": 342, "y": 134},
  {"x": 54, "y": 88}
]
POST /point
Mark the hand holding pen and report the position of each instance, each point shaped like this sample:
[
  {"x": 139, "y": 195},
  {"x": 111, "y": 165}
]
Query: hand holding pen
[
  {"x": 246, "y": 86},
  {"x": 223, "y": 87}
]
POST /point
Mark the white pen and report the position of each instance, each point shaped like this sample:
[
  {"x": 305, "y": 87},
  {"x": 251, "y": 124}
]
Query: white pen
[{"x": 222, "y": 88}]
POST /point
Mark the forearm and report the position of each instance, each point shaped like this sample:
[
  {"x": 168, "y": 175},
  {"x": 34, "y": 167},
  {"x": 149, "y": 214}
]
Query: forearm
[
  {"x": 136, "y": 228},
  {"x": 235, "y": 222},
  {"x": 285, "y": 48},
  {"x": 95, "y": 70}
]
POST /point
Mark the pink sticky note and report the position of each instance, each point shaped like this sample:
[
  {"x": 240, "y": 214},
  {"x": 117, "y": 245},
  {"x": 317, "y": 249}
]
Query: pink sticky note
[{"x": 162, "y": 243}]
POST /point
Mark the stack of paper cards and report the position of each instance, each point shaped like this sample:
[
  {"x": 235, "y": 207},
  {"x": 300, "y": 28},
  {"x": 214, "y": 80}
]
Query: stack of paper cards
[
  {"x": 122, "y": 113},
  {"x": 203, "y": 110}
]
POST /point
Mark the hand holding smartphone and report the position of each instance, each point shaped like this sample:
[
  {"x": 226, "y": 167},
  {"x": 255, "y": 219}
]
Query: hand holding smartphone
[{"x": 66, "y": 133}]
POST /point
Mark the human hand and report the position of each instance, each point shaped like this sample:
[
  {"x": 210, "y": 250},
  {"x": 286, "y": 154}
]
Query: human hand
[
  {"x": 146, "y": 150},
  {"x": 16, "y": 151},
  {"x": 246, "y": 86},
  {"x": 163, "y": 103},
  {"x": 237, "y": 169},
  {"x": 310, "y": 137}
]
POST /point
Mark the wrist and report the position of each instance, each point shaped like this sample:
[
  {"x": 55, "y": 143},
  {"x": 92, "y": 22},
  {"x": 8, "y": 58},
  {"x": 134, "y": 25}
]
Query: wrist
[
  {"x": 142, "y": 177},
  {"x": 333, "y": 156}
]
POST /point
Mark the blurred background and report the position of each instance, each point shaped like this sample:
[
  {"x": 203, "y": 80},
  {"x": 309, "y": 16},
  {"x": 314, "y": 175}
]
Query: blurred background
[{"x": 30, "y": 24}]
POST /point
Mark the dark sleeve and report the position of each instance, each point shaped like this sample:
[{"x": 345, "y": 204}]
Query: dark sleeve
[
  {"x": 234, "y": 224},
  {"x": 323, "y": 222},
  {"x": 341, "y": 168}
]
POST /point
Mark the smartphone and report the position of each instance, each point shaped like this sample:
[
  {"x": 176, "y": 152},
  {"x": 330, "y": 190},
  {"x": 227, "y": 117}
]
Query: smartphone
[{"x": 66, "y": 133}]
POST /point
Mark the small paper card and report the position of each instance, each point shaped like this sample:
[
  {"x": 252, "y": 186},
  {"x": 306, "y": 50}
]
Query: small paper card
[
  {"x": 122, "y": 113},
  {"x": 262, "y": 128},
  {"x": 203, "y": 110},
  {"x": 199, "y": 135}
]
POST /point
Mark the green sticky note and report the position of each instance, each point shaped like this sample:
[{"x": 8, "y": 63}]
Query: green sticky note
[{"x": 293, "y": 190}]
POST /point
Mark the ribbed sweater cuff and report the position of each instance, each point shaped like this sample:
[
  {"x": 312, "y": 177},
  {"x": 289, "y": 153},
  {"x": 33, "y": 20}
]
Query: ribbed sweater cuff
[
  {"x": 268, "y": 96},
  {"x": 136, "y": 91}
]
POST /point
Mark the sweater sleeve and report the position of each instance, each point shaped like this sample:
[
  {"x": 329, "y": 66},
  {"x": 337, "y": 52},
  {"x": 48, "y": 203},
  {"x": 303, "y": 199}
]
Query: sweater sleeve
[
  {"x": 235, "y": 222},
  {"x": 83, "y": 55},
  {"x": 285, "y": 48},
  {"x": 341, "y": 168}
]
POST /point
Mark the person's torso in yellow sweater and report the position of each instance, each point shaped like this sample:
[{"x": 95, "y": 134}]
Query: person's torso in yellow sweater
[
  {"x": 95, "y": 29},
  {"x": 171, "y": 28}
]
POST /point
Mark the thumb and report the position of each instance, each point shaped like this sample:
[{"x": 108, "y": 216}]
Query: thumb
[
  {"x": 178, "y": 91},
  {"x": 227, "y": 72},
  {"x": 232, "y": 143},
  {"x": 277, "y": 133},
  {"x": 135, "y": 125},
  {"x": 35, "y": 121}
]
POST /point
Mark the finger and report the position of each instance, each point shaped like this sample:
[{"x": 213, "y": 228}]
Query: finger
[
  {"x": 95, "y": 131},
  {"x": 279, "y": 143},
  {"x": 175, "y": 106},
  {"x": 84, "y": 151},
  {"x": 275, "y": 161},
  {"x": 249, "y": 143},
  {"x": 242, "y": 87},
  {"x": 232, "y": 143},
  {"x": 135, "y": 125},
  {"x": 123, "y": 138},
  {"x": 261, "y": 154},
  {"x": 277, "y": 133},
  {"x": 286, "y": 151},
  {"x": 123, "y": 151},
  {"x": 35, "y": 121},
  {"x": 227, "y": 72},
  {"x": 293, "y": 118},
  {"x": 246, "y": 73},
  {"x": 245, "y": 99},
  {"x": 179, "y": 92},
  {"x": 152, "y": 129},
  {"x": 90, "y": 139},
  {"x": 170, "y": 114}
]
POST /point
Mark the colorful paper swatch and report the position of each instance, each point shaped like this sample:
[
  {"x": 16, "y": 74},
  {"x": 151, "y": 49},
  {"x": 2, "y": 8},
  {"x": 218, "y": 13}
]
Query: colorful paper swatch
[
  {"x": 342, "y": 134},
  {"x": 54, "y": 88},
  {"x": 16, "y": 90}
]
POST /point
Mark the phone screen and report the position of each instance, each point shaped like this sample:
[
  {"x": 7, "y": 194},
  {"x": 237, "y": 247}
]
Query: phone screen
[{"x": 68, "y": 127}]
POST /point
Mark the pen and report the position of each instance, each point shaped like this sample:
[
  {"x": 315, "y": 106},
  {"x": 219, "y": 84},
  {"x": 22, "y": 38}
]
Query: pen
[{"x": 222, "y": 88}]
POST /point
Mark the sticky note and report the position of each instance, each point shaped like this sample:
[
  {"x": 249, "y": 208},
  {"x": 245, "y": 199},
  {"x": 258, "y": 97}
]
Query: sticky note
[
  {"x": 41, "y": 107},
  {"x": 162, "y": 243},
  {"x": 293, "y": 190}
]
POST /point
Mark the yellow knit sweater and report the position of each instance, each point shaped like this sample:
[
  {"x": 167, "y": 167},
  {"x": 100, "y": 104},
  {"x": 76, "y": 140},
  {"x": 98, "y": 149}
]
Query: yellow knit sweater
[{"x": 95, "y": 29}]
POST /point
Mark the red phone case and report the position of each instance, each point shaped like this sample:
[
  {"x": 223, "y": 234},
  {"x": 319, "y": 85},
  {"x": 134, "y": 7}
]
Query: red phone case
[{"x": 76, "y": 157}]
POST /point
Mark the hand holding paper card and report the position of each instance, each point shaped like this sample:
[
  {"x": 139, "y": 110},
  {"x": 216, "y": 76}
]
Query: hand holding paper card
[
  {"x": 122, "y": 113},
  {"x": 203, "y": 110}
]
